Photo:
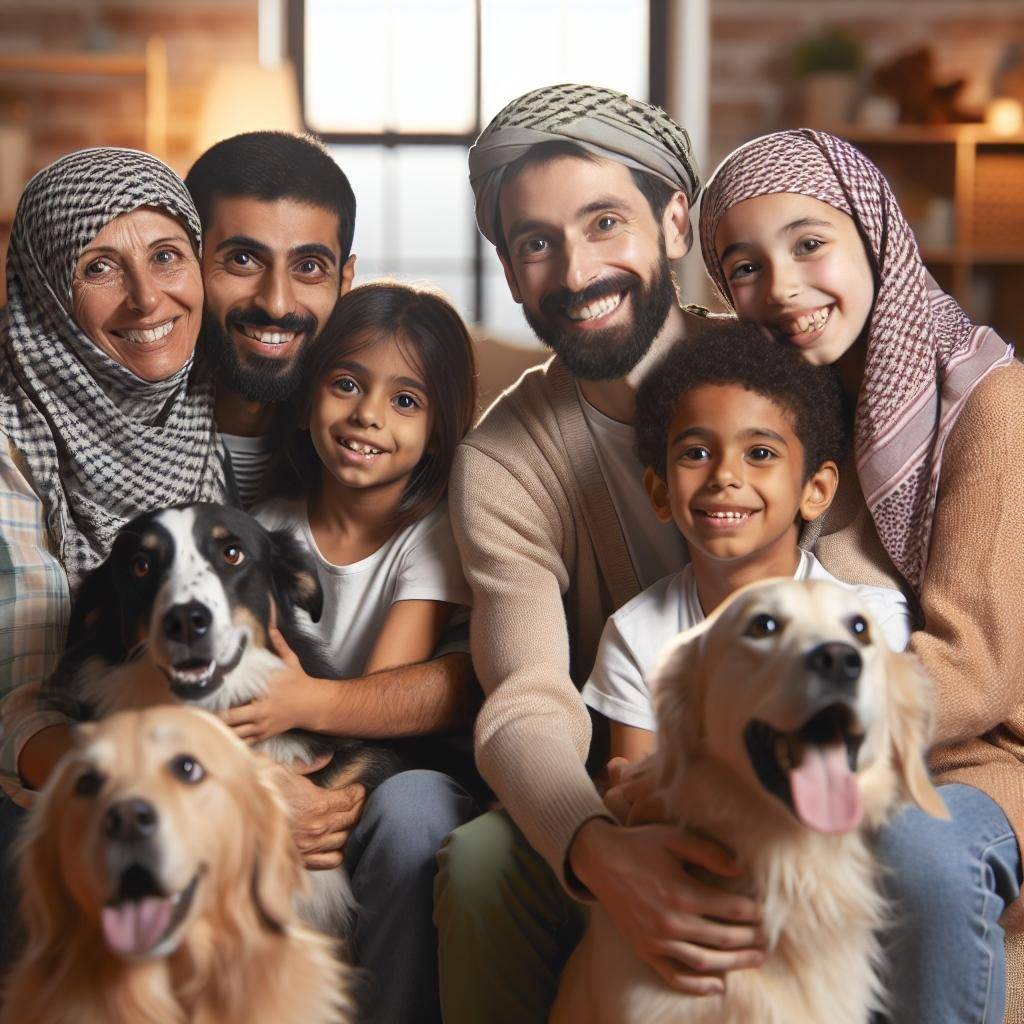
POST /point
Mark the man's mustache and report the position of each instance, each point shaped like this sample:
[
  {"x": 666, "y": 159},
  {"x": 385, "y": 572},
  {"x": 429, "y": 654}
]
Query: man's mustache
[
  {"x": 290, "y": 323},
  {"x": 614, "y": 284}
]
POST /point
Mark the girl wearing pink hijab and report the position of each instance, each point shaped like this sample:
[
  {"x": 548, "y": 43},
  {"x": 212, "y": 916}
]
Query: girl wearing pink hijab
[{"x": 802, "y": 234}]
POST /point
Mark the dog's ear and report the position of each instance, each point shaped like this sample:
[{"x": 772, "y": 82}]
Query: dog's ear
[
  {"x": 48, "y": 912},
  {"x": 296, "y": 583},
  {"x": 277, "y": 873},
  {"x": 911, "y": 722},
  {"x": 94, "y": 602},
  {"x": 678, "y": 702}
]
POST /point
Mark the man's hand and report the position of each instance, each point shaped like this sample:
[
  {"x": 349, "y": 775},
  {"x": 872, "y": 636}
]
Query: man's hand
[
  {"x": 632, "y": 794},
  {"x": 690, "y": 932},
  {"x": 321, "y": 818},
  {"x": 291, "y": 702}
]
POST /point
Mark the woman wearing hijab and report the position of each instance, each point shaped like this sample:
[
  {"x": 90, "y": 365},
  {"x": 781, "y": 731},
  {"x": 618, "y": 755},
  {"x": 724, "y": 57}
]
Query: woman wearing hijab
[
  {"x": 101, "y": 417},
  {"x": 801, "y": 233}
]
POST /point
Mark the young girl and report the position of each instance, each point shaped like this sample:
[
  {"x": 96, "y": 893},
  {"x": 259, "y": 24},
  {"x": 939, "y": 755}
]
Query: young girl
[
  {"x": 390, "y": 392},
  {"x": 802, "y": 234}
]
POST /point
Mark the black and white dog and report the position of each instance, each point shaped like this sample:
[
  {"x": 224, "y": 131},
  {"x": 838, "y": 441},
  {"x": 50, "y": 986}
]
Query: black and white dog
[{"x": 180, "y": 611}]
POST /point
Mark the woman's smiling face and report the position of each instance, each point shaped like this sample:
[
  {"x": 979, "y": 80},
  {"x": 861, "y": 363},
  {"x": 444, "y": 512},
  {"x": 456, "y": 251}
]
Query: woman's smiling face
[
  {"x": 138, "y": 294},
  {"x": 798, "y": 265}
]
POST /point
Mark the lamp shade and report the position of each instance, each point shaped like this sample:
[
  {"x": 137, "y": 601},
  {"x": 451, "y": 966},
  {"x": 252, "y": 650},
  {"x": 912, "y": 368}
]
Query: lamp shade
[{"x": 247, "y": 97}]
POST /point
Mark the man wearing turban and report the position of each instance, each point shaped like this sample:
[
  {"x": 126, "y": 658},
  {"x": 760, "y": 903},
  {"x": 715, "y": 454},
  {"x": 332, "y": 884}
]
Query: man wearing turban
[{"x": 586, "y": 195}]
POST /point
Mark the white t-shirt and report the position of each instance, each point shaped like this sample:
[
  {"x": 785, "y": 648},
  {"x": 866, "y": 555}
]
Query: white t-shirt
[
  {"x": 635, "y": 636},
  {"x": 654, "y": 548},
  {"x": 419, "y": 563},
  {"x": 250, "y": 457}
]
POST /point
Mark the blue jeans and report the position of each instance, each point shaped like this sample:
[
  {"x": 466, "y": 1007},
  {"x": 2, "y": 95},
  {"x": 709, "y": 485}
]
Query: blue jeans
[
  {"x": 950, "y": 881},
  {"x": 391, "y": 858}
]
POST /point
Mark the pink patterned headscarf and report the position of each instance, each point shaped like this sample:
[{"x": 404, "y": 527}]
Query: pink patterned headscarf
[{"x": 924, "y": 357}]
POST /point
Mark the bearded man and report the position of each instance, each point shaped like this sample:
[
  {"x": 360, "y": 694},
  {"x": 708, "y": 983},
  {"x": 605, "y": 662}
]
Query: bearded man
[{"x": 586, "y": 196}]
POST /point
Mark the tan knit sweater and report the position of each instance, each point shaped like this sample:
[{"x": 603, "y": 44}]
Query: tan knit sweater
[{"x": 547, "y": 561}]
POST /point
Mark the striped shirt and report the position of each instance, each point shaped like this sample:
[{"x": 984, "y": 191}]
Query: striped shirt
[
  {"x": 250, "y": 457},
  {"x": 34, "y": 606}
]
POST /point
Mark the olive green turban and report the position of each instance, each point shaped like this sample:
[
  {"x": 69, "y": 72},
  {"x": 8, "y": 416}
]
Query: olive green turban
[{"x": 605, "y": 123}]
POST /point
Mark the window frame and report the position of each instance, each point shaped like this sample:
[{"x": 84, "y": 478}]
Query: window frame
[{"x": 657, "y": 85}]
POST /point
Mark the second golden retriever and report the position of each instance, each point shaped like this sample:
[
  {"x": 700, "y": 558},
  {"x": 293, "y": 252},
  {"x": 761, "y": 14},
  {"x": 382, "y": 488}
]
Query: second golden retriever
[
  {"x": 158, "y": 876},
  {"x": 788, "y": 731}
]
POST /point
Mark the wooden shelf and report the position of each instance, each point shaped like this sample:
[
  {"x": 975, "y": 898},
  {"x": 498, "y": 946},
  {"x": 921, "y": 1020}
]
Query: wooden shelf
[
  {"x": 150, "y": 66},
  {"x": 915, "y": 134},
  {"x": 958, "y": 184}
]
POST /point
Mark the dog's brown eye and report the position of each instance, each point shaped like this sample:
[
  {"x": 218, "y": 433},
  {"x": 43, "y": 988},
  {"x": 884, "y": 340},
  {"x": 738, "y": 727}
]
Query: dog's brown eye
[
  {"x": 139, "y": 566},
  {"x": 233, "y": 554},
  {"x": 89, "y": 783},
  {"x": 187, "y": 769},
  {"x": 859, "y": 628},
  {"x": 762, "y": 625}
]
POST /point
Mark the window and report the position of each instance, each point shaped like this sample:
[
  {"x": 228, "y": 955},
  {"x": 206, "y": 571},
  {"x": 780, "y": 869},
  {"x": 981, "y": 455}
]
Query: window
[{"x": 399, "y": 89}]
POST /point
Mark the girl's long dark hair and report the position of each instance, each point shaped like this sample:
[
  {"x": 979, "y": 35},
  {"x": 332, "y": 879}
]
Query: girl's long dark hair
[{"x": 434, "y": 338}]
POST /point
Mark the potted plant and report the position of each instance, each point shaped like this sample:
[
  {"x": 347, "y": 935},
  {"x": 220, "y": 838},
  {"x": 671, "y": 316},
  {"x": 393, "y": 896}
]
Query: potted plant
[{"x": 827, "y": 64}]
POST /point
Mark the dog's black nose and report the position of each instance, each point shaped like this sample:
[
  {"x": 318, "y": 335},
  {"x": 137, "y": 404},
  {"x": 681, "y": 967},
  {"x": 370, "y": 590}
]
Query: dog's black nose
[
  {"x": 130, "y": 819},
  {"x": 835, "y": 663},
  {"x": 186, "y": 623}
]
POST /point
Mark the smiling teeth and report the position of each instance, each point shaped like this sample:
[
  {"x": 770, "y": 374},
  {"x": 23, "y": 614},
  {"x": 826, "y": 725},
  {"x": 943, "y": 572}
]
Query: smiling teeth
[
  {"x": 727, "y": 515},
  {"x": 268, "y": 337},
  {"x": 194, "y": 676},
  {"x": 594, "y": 309},
  {"x": 147, "y": 337},
  {"x": 808, "y": 322},
  {"x": 362, "y": 449}
]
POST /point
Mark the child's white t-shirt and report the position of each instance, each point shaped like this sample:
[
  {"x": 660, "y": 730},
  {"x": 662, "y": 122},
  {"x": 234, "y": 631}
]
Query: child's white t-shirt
[
  {"x": 419, "y": 563},
  {"x": 635, "y": 636}
]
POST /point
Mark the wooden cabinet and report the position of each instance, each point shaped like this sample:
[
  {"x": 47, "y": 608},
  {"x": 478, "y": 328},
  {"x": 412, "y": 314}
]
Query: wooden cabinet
[{"x": 962, "y": 189}]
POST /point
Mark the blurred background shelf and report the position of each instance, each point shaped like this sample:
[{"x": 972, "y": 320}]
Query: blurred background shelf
[{"x": 962, "y": 189}]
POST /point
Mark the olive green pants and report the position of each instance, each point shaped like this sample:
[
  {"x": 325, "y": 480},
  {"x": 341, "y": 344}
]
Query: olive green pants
[{"x": 505, "y": 925}]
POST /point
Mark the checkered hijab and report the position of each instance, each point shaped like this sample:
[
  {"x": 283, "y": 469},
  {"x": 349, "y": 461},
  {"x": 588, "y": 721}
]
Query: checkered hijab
[
  {"x": 924, "y": 357},
  {"x": 98, "y": 444},
  {"x": 605, "y": 123}
]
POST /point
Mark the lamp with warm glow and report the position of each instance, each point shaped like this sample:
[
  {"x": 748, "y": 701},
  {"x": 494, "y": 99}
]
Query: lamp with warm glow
[
  {"x": 247, "y": 97},
  {"x": 1005, "y": 116}
]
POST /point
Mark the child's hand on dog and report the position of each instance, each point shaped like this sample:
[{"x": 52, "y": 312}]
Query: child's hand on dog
[{"x": 290, "y": 704}]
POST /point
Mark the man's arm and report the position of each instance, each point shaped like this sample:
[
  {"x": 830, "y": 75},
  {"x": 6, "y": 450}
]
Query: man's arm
[{"x": 533, "y": 734}]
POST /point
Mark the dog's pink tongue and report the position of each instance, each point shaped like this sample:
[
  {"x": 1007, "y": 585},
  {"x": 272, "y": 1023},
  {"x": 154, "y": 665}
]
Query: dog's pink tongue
[
  {"x": 135, "y": 926},
  {"x": 825, "y": 793}
]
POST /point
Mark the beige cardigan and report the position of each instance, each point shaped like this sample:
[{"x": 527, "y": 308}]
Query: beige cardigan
[{"x": 547, "y": 562}]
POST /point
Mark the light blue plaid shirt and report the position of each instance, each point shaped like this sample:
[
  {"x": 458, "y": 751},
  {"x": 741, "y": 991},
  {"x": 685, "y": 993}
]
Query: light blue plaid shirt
[{"x": 34, "y": 606}]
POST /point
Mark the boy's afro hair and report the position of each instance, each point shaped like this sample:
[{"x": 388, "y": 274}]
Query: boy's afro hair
[{"x": 737, "y": 352}]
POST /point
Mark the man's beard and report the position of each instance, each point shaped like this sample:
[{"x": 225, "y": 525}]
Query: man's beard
[
  {"x": 259, "y": 378},
  {"x": 610, "y": 352}
]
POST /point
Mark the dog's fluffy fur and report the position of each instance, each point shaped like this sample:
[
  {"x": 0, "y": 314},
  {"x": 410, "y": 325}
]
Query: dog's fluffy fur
[
  {"x": 210, "y": 847},
  {"x": 740, "y": 710},
  {"x": 180, "y": 611}
]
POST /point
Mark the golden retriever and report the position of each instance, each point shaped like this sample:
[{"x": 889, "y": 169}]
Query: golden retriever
[
  {"x": 158, "y": 876},
  {"x": 788, "y": 731}
]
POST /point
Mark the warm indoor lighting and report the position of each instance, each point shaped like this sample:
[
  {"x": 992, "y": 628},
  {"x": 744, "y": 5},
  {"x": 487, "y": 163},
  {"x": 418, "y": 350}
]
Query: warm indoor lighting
[
  {"x": 246, "y": 97},
  {"x": 1005, "y": 116}
]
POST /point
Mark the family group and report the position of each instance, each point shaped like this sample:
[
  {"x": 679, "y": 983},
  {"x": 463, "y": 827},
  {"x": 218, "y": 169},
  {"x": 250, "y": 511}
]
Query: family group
[{"x": 502, "y": 588}]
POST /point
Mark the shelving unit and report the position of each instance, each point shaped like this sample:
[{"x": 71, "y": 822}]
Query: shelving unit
[
  {"x": 150, "y": 67},
  {"x": 962, "y": 189}
]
